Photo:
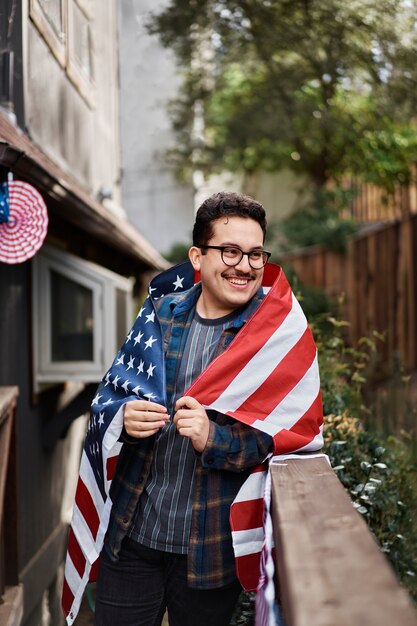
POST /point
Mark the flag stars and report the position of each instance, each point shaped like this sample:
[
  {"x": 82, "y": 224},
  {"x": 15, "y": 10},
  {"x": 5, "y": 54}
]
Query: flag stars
[
  {"x": 107, "y": 379},
  {"x": 96, "y": 399},
  {"x": 138, "y": 337},
  {"x": 101, "y": 419},
  {"x": 114, "y": 382},
  {"x": 150, "y": 342},
  {"x": 121, "y": 360},
  {"x": 130, "y": 364},
  {"x": 141, "y": 311},
  {"x": 136, "y": 390},
  {"x": 178, "y": 283},
  {"x": 140, "y": 366},
  {"x": 125, "y": 385},
  {"x": 109, "y": 401},
  {"x": 150, "y": 396},
  {"x": 150, "y": 317},
  {"x": 129, "y": 337},
  {"x": 150, "y": 370}
]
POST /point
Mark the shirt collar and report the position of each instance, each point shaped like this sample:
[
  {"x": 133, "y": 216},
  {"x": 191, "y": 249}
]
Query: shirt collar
[{"x": 185, "y": 301}]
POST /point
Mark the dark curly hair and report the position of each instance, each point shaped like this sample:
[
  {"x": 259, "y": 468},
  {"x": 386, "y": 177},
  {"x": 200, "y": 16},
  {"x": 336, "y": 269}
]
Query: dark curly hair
[{"x": 225, "y": 203}]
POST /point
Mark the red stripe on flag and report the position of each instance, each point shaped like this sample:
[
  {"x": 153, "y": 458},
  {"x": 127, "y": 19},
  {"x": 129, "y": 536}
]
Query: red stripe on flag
[
  {"x": 303, "y": 432},
  {"x": 248, "y": 570},
  {"x": 94, "y": 571},
  {"x": 279, "y": 383},
  {"x": 87, "y": 507},
  {"x": 75, "y": 552},
  {"x": 111, "y": 466},
  {"x": 247, "y": 514},
  {"x": 222, "y": 371},
  {"x": 67, "y": 598}
]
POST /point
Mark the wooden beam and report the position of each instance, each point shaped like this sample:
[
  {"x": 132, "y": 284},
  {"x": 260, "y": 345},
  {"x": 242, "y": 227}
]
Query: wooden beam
[
  {"x": 72, "y": 202},
  {"x": 330, "y": 569}
]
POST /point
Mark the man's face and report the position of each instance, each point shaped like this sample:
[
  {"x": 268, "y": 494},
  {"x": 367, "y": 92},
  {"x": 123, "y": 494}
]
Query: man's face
[{"x": 225, "y": 288}]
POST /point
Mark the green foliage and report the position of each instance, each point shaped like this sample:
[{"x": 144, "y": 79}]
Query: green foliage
[
  {"x": 178, "y": 253},
  {"x": 320, "y": 222},
  {"x": 377, "y": 471},
  {"x": 322, "y": 87},
  {"x": 381, "y": 480}
]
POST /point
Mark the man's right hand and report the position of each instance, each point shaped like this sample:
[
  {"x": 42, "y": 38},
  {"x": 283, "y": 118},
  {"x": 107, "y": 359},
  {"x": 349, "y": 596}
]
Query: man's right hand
[{"x": 143, "y": 418}]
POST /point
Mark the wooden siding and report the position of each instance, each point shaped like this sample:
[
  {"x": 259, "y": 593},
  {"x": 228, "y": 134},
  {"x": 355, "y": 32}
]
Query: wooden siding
[{"x": 378, "y": 280}]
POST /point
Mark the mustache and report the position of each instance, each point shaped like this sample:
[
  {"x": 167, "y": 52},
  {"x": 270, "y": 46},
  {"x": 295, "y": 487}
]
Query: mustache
[{"x": 238, "y": 274}]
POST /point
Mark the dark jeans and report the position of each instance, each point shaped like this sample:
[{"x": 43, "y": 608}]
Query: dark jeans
[{"x": 143, "y": 583}]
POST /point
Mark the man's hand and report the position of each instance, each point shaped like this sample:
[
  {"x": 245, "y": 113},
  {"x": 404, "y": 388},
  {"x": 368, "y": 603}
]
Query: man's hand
[
  {"x": 192, "y": 421},
  {"x": 143, "y": 418}
]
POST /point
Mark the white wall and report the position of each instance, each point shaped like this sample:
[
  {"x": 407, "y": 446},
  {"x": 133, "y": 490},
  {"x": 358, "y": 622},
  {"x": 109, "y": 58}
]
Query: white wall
[{"x": 156, "y": 203}]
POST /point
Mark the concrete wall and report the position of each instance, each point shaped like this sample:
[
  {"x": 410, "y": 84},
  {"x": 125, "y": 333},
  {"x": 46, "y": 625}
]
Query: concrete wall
[{"x": 156, "y": 203}]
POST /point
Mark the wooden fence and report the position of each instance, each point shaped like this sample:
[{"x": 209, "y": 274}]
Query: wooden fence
[
  {"x": 378, "y": 280},
  {"x": 11, "y": 596},
  {"x": 330, "y": 569}
]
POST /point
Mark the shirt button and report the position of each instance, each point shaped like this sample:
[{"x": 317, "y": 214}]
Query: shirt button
[{"x": 125, "y": 520}]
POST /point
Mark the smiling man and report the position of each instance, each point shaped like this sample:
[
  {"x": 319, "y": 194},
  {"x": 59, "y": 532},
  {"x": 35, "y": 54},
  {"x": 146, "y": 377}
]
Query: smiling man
[{"x": 168, "y": 544}]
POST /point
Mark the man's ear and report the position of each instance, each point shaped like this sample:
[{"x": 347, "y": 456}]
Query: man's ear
[{"x": 194, "y": 255}]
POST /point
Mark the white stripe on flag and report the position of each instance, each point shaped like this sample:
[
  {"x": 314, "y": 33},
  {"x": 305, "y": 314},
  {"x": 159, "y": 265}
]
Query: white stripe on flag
[
  {"x": 78, "y": 596},
  {"x": 314, "y": 444},
  {"x": 257, "y": 370},
  {"x": 83, "y": 535},
  {"x": 294, "y": 405},
  {"x": 71, "y": 575},
  {"x": 247, "y": 541},
  {"x": 113, "y": 431},
  {"x": 252, "y": 488}
]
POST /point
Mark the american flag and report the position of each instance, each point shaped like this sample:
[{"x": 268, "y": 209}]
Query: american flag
[{"x": 267, "y": 378}]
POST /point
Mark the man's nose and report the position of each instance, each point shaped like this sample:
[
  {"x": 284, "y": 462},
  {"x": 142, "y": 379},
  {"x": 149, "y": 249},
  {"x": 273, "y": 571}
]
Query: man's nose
[{"x": 243, "y": 264}]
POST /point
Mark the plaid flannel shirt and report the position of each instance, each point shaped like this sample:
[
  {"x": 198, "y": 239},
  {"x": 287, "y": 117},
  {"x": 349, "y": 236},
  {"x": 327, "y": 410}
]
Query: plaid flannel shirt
[{"x": 232, "y": 450}]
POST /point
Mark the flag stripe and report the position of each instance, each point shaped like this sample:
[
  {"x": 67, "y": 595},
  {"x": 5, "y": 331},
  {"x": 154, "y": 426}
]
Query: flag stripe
[
  {"x": 283, "y": 378},
  {"x": 77, "y": 557},
  {"x": 294, "y": 405},
  {"x": 85, "y": 504},
  {"x": 226, "y": 373},
  {"x": 253, "y": 372},
  {"x": 248, "y": 541},
  {"x": 248, "y": 570},
  {"x": 111, "y": 466}
]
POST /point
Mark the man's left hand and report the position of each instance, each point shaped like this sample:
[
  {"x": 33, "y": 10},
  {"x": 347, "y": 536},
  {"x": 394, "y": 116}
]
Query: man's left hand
[{"x": 192, "y": 421}]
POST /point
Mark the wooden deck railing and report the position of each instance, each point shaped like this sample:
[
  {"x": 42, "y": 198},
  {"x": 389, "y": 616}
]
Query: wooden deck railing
[
  {"x": 331, "y": 572},
  {"x": 9, "y": 602}
]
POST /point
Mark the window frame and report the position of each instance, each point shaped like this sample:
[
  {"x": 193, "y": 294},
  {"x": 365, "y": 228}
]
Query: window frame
[
  {"x": 85, "y": 86},
  {"x": 56, "y": 43},
  {"x": 103, "y": 284},
  {"x": 62, "y": 47}
]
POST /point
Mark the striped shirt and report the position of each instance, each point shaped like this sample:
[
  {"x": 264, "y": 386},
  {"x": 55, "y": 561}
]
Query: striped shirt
[
  {"x": 163, "y": 515},
  {"x": 231, "y": 451}
]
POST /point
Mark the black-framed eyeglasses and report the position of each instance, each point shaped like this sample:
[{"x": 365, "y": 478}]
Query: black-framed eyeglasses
[{"x": 232, "y": 255}]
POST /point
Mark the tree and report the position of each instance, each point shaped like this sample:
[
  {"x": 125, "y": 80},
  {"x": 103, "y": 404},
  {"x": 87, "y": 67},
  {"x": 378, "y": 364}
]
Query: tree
[{"x": 324, "y": 87}]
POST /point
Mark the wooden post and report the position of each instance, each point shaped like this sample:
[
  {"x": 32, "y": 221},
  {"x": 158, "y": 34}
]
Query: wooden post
[{"x": 331, "y": 572}]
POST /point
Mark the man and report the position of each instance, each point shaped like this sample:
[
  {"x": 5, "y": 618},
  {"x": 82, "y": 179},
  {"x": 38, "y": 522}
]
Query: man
[
  {"x": 211, "y": 379},
  {"x": 169, "y": 545}
]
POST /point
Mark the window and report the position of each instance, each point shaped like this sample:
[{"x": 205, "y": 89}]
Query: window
[
  {"x": 67, "y": 27},
  {"x": 50, "y": 17},
  {"x": 81, "y": 315},
  {"x": 80, "y": 48}
]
